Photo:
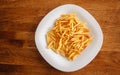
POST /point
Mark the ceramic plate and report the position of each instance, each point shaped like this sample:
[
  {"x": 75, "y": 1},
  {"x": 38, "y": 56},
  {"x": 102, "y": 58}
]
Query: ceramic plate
[{"x": 57, "y": 61}]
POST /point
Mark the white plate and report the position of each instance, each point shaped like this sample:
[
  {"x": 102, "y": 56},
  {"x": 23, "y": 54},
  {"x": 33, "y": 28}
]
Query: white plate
[{"x": 58, "y": 61}]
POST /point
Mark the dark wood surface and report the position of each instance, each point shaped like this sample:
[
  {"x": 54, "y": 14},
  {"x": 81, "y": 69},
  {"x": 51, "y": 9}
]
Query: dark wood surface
[{"x": 19, "y": 20}]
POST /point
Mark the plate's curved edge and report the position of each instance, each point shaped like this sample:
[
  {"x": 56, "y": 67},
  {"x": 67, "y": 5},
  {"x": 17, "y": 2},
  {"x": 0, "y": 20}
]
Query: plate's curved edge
[{"x": 92, "y": 57}]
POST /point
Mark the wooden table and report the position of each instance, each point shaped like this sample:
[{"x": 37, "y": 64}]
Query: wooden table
[{"x": 18, "y": 22}]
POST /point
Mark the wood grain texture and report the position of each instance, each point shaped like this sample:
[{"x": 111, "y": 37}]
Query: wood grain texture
[{"x": 19, "y": 20}]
